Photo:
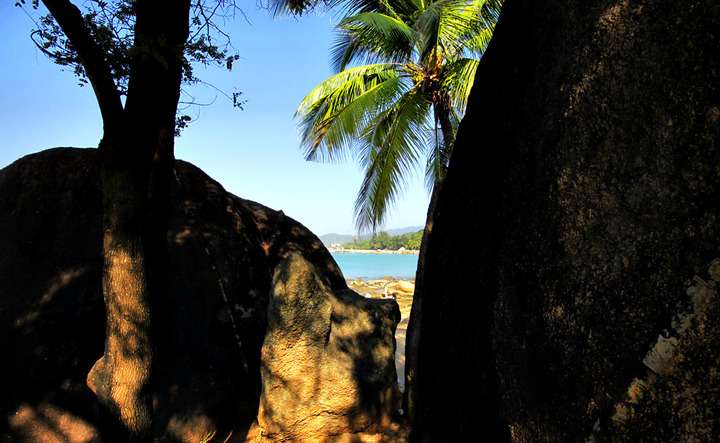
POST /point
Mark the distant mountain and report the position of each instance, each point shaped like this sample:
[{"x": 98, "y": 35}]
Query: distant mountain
[
  {"x": 402, "y": 230},
  {"x": 340, "y": 239},
  {"x": 336, "y": 239}
]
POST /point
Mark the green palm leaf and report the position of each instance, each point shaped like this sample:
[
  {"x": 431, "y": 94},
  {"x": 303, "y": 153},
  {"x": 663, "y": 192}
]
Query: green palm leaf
[
  {"x": 342, "y": 78},
  {"x": 392, "y": 149},
  {"x": 478, "y": 43},
  {"x": 442, "y": 24},
  {"x": 458, "y": 76},
  {"x": 334, "y": 136},
  {"x": 370, "y": 37},
  {"x": 332, "y": 113}
]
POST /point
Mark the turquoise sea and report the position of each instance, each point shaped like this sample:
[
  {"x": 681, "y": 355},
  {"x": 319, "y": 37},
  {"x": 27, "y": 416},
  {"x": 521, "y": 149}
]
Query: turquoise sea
[{"x": 374, "y": 266}]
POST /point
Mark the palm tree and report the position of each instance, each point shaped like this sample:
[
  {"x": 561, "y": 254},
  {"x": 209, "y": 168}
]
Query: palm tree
[{"x": 405, "y": 69}]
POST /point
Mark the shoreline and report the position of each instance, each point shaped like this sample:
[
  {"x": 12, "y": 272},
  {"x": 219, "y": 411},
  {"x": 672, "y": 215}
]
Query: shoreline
[
  {"x": 376, "y": 287},
  {"x": 371, "y": 251}
]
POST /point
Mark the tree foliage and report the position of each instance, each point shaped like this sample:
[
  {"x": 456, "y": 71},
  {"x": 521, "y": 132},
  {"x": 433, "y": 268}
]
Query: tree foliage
[
  {"x": 405, "y": 69},
  {"x": 111, "y": 26},
  {"x": 385, "y": 241}
]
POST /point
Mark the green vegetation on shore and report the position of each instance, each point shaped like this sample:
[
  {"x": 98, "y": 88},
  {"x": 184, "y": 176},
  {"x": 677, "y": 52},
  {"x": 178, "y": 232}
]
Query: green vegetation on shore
[{"x": 385, "y": 241}]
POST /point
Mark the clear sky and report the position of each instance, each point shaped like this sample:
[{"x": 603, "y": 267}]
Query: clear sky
[{"x": 253, "y": 153}]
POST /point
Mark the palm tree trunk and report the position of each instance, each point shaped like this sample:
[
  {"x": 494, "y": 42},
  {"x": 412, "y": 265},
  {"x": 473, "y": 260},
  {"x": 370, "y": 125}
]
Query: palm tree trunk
[{"x": 442, "y": 109}]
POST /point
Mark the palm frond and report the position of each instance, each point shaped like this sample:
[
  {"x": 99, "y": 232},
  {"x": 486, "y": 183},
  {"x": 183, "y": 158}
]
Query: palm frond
[
  {"x": 491, "y": 11},
  {"x": 458, "y": 76},
  {"x": 331, "y": 123},
  {"x": 460, "y": 24},
  {"x": 342, "y": 78},
  {"x": 392, "y": 149},
  {"x": 279, "y": 8},
  {"x": 343, "y": 129},
  {"x": 477, "y": 45},
  {"x": 427, "y": 26},
  {"x": 371, "y": 37},
  {"x": 328, "y": 125},
  {"x": 392, "y": 8}
]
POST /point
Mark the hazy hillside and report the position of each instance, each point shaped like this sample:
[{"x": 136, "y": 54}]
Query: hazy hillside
[
  {"x": 336, "y": 239},
  {"x": 339, "y": 239}
]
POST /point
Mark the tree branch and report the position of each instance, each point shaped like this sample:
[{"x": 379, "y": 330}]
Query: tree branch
[{"x": 70, "y": 19}]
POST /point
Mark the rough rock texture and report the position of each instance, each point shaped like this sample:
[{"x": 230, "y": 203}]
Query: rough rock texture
[
  {"x": 328, "y": 361},
  {"x": 586, "y": 170},
  {"x": 223, "y": 251}
]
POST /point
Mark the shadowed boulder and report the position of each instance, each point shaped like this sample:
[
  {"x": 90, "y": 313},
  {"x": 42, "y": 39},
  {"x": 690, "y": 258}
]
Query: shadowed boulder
[
  {"x": 328, "y": 361},
  {"x": 222, "y": 250},
  {"x": 586, "y": 169}
]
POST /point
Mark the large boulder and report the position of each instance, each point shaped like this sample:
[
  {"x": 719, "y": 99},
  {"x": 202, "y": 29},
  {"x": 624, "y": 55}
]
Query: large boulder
[
  {"x": 563, "y": 277},
  {"x": 223, "y": 251},
  {"x": 405, "y": 286},
  {"x": 328, "y": 361}
]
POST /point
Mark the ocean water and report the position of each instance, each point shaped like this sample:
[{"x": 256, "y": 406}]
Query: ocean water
[{"x": 374, "y": 266}]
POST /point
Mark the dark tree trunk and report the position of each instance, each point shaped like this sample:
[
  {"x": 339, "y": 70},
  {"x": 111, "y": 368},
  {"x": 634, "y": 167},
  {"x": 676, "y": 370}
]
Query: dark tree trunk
[
  {"x": 136, "y": 169},
  {"x": 136, "y": 174},
  {"x": 121, "y": 378}
]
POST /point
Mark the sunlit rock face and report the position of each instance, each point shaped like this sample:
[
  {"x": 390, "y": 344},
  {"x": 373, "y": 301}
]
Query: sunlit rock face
[
  {"x": 583, "y": 198},
  {"x": 328, "y": 361},
  {"x": 223, "y": 251}
]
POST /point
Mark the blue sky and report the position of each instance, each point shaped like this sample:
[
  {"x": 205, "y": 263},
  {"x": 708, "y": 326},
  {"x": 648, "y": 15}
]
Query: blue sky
[{"x": 253, "y": 153}]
